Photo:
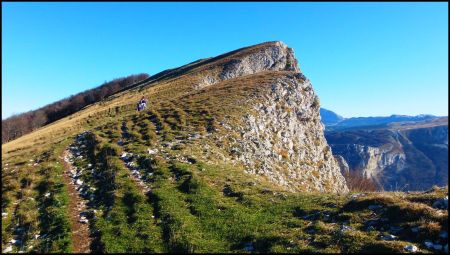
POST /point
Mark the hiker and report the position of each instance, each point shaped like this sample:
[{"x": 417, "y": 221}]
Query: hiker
[
  {"x": 142, "y": 104},
  {"x": 139, "y": 106}
]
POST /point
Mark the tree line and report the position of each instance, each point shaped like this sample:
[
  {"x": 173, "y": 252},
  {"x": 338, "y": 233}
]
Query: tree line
[{"x": 24, "y": 123}]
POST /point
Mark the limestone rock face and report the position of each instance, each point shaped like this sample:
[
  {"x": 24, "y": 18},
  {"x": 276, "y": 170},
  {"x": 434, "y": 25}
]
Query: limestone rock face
[
  {"x": 413, "y": 158},
  {"x": 371, "y": 161},
  {"x": 276, "y": 56},
  {"x": 283, "y": 139},
  {"x": 345, "y": 169}
]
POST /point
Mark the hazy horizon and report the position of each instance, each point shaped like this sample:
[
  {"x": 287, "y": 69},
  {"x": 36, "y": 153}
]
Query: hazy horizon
[{"x": 363, "y": 59}]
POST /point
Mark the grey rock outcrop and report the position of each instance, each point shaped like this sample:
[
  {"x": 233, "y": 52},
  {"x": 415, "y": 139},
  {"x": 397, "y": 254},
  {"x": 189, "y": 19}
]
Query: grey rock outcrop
[
  {"x": 345, "y": 169},
  {"x": 368, "y": 160},
  {"x": 283, "y": 140},
  {"x": 275, "y": 56}
]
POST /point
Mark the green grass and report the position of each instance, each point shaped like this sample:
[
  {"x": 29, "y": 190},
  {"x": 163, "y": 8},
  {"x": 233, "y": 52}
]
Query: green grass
[{"x": 53, "y": 213}]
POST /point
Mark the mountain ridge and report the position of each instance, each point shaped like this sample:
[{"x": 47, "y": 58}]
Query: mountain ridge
[{"x": 333, "y": 121}]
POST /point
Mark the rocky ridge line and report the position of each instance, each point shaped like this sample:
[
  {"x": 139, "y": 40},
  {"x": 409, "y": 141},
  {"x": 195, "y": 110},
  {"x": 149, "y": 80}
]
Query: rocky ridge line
[{"x": 276, "y": 56}]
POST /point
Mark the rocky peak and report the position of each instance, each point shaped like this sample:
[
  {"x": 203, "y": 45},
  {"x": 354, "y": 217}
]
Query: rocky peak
[
  {"x": 280, "y": 133},
  {"x": 269, "y": 56},
  {"x": 283, "y": 139}
]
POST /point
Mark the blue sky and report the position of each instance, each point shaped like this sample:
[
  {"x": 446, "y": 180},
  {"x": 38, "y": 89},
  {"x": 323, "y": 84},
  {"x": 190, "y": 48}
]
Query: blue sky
[{"x": 364, "y": 59}]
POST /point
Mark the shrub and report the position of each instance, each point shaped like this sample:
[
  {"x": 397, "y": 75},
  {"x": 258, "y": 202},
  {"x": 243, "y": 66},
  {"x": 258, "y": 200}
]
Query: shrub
[{"x": 357, "y": 182}]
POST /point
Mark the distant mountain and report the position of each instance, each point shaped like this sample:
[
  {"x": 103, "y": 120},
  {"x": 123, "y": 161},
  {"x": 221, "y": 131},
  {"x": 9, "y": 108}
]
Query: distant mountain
[
  {"x": 408, "y": 155},
  {"x": 330, "y": 117},
  {"x": 333, "y": 121}
]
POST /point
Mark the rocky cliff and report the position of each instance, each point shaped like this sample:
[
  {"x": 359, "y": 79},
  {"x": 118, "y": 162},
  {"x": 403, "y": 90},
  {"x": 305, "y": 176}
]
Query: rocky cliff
[
  {"x": 272, "y": 56},
  {"x": 279, "y": 135},
  {"x": 283, "y": 138},
  {"x": 406, "y": 158},
  {"x": 269, "y": 115}
]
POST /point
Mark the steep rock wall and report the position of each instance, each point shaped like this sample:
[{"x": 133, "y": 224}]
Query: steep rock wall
[{"x": 282, "y": 138}]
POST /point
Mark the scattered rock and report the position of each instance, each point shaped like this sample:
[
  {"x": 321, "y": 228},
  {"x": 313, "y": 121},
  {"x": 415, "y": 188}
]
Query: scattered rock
[
  {"x": 151, "y": 152},
  {"x": 83, "y": 220},
  {"x": 411, "y": 248},
  {"x": 4, "y": 214},
  {"x": 388, "y": 237},
  {"x": 14, "y": 241},
  {"x": 131, "y": 164},
  {"x": 47, "y": 194},
  {"x": 8, "y": 249},
  {"x": 345, "y": 228}
]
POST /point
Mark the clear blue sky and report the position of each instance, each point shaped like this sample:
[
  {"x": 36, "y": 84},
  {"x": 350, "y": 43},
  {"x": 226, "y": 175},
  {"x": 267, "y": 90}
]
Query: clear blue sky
[{"x": 364, "y": 59}]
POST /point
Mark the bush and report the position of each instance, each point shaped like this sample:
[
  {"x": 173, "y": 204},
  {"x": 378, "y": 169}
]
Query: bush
[{"x": 358, "y": 183}]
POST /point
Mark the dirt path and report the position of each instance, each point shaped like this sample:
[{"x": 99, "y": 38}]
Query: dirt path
[{"x": 80, "y": 231}]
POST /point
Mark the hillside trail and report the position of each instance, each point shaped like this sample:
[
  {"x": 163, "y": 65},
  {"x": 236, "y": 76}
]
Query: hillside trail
[
  {"x": 127, "y": 162},
  {"x": 81, "y": 238}
]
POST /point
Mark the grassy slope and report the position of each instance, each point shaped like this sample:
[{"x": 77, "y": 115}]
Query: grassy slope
[{"x": 199, "y": 202}]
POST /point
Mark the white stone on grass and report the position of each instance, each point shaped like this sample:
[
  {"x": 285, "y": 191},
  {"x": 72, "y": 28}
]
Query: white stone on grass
[
  {"x": 411, "y": 248},
  {"x": 8, "y": 249},
  {"x": 150, "y": 151},
  {"x": 388, "y": 237}
]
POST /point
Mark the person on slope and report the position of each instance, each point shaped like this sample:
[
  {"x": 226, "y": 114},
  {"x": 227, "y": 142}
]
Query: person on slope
[{"x": 142, "y": 104}]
